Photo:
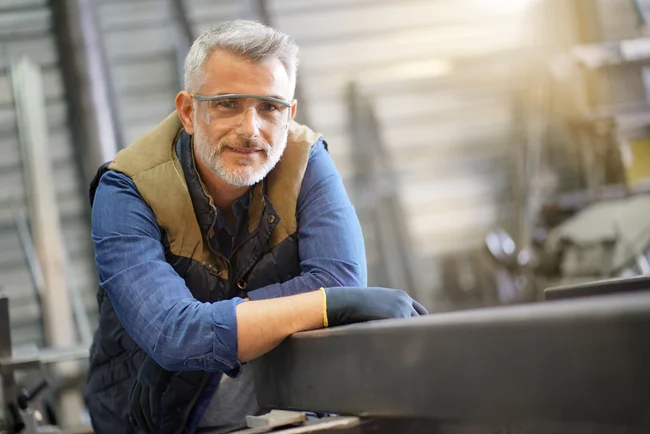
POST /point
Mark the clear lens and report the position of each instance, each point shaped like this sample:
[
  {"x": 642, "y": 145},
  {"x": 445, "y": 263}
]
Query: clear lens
[{"x": 229, "y": 113}]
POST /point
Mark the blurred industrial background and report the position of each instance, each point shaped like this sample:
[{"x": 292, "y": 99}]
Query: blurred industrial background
[{"x": 492, "y": 148}]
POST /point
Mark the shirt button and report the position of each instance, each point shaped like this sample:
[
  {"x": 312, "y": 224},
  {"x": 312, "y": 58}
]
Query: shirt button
[
  {"x": 241, "y": 284},
  {"x": 271, "y": 218}
]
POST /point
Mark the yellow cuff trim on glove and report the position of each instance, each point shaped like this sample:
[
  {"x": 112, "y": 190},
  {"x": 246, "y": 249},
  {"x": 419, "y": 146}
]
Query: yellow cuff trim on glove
[{"x": 325, "y": 321}]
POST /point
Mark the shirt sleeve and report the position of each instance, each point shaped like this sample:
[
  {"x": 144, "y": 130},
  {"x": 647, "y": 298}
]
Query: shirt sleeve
[
  {"x": 331, "y": 246},
  {"x": 150, "y": 298}
]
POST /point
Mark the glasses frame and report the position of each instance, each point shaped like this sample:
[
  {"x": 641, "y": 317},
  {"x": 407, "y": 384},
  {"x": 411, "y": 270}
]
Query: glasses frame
[
  {"x": 198, "y": 97},
  {"x": 282, "y": 102}
]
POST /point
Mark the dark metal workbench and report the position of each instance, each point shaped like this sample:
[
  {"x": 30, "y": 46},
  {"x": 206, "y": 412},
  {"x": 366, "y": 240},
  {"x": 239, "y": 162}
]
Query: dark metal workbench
[{"x": 579, "y": 362}]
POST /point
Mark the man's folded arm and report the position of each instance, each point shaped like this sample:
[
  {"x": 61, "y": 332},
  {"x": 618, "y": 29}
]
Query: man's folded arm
[{"x": 158, "y": 310}]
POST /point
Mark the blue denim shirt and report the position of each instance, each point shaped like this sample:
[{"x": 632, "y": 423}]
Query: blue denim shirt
[{"x": 158, "y": 310}]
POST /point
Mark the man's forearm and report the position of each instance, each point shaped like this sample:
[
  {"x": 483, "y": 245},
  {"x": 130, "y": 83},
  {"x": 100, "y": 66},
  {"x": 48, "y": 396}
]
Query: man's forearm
[
  {"x": 334, "y": 273},
  {"x": 263, "y": 324}
]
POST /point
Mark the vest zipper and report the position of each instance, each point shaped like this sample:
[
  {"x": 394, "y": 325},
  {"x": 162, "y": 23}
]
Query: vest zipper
[
  {"x": 219, "y": 255},
  {"x": 231, "y": 276}
]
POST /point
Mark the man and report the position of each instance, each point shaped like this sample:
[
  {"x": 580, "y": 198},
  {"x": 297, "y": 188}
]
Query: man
[{"x": 218, "y": 234}]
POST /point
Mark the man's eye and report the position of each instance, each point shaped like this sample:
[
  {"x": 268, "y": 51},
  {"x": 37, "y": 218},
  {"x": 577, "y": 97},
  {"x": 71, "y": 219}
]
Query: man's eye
[
  {"x": 227, "y": 104},
  {"x": 268, "y": 107}
]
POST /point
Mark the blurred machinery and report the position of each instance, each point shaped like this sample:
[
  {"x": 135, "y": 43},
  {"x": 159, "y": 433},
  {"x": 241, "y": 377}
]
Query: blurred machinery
[
  {"x": 594, "y": 226},
  {"x": 23, "y": 411}
]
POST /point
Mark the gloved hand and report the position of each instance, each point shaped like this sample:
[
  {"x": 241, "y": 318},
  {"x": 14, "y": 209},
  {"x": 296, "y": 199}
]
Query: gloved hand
[
  {"x": 145, "y": 398},
  {"x": 347, "y": 305}
]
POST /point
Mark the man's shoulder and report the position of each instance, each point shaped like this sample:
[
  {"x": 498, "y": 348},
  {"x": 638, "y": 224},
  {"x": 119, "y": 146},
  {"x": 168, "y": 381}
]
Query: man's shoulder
[
  {"x": 318, "y": 148},
  {"x": 112, "y": 184},
  {"x": 320, "y": 170},
  {"x": 106, "y": 178},
  {"x": 118, "y": 208},
  {"x": 117, "y": 179},
  {"x": 155, "y": 148}
]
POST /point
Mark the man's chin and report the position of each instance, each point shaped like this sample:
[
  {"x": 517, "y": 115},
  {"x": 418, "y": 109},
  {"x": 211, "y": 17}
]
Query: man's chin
[{"x": 241, "y": 177}]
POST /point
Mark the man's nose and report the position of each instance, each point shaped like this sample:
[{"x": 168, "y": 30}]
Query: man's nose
[{"x": 249, "y": 125}]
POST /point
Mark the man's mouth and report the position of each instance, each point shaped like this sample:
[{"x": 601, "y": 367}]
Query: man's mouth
[{"x": 244, "y": 150}]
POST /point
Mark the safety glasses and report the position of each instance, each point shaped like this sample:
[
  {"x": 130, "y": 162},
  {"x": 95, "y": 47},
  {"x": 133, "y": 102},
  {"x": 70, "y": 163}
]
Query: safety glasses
[{"x": 228, "y": 110}]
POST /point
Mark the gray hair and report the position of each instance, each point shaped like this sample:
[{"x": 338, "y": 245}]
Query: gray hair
[{"x": 249, "y": 39}]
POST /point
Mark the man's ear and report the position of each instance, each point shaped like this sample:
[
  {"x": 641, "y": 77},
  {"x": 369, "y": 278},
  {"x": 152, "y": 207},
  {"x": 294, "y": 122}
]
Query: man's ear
[
  {"x": 185, "y": 110},
  {"x": 294, "y": 108}
]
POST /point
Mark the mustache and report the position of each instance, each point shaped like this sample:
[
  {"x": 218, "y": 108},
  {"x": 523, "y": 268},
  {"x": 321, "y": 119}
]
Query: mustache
[{"x": 245, "y": 143}]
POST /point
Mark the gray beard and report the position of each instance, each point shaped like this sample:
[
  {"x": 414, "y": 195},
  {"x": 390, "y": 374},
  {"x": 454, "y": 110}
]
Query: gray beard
[{"x": 245, "y": 174}]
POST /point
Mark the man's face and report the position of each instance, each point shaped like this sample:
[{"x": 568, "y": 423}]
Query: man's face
[{"x": 244, "y": 150}]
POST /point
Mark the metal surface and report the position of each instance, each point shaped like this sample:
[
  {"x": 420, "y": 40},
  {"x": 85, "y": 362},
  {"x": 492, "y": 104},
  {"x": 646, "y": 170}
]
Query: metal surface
[
  {"x": 583, "y": 360},
  {"x": 601, "y": 287}
]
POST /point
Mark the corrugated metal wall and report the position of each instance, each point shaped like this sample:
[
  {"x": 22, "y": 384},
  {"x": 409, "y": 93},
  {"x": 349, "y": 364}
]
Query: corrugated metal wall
[
  {"x": 26, "y": 30},
  {"x": 140, "y": 51}
]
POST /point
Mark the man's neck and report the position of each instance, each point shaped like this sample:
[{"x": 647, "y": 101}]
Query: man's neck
[{"x": 223, "y": 194}]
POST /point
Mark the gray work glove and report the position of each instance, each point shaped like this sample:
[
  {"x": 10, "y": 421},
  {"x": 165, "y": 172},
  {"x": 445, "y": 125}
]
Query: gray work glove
[{"x": 347, "y": 305}]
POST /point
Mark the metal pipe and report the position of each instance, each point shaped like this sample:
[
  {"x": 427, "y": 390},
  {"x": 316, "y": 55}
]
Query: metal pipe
[
  {"x": 29, "y": 98},
  {"x": 35, "y": 271},
  {"x": 88, "y": 83},
  {"x": 183, "y": 35}
]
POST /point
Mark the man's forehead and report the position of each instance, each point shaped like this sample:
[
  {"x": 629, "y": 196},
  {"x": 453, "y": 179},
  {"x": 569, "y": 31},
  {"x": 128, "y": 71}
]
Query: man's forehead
[{"x": 230, "y": 73}]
